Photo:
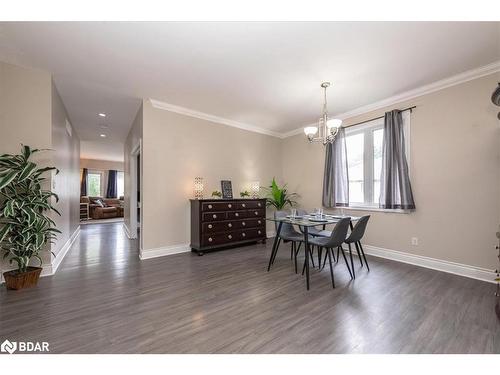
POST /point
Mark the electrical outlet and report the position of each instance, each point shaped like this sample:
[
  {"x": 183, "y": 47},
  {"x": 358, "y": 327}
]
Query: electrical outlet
[{"x": 414, "y": 241}]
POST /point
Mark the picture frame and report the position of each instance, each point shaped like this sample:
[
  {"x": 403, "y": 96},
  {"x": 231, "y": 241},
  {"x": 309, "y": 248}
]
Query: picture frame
[{"x": 227, "y": 189}]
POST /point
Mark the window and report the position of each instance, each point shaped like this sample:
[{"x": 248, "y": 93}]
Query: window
[
  {"x": 120, "y": 184},
  {"x": 94, "y": 184},
  {"x": 364, "y": 160}
]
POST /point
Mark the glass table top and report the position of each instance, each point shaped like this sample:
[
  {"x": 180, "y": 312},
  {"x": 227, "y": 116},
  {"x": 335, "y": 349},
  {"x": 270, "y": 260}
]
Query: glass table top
[{"x": 311, "y": 220}]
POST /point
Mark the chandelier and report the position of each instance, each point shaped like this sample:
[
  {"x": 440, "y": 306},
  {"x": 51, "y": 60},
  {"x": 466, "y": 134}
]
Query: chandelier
[{"x": 327, "y": 128}]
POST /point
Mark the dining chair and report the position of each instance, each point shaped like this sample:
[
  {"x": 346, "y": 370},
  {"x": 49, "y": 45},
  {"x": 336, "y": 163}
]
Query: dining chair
[
  {"x": 288, "y": 234},
  {"x": 354, "y": 237},
  {"x": 336, "y": 239}
]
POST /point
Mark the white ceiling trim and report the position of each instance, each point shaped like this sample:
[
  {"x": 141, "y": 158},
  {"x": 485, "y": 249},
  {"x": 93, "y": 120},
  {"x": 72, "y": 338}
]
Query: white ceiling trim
[
  {"x": 212, "y": 118},
  {"x": 408, "y": 95},
  {"x": 405, "y": 96}
]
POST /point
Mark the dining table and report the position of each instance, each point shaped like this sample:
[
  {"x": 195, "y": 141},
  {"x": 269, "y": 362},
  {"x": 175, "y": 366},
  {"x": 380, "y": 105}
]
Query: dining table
[{"x": 305, "y": 222}]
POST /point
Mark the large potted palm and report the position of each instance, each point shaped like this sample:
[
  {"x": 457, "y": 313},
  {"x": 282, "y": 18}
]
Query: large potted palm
[
  {"x": 279, "y": 197},
  {"x": 25, "y": 226}
]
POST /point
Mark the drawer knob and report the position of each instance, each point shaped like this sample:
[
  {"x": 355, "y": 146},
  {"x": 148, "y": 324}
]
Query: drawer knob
[
  {"x": 243, "y": 205},
  {"x": 230, "y": 225},
  {"x": 259, "y": 232},
  {"x": 209, "y": 206},
  {"x": 229, "y": 205},
  {"x": 210, "y": 226},
  {"x": 243, "y": 223},
  {"x": 259, "y": 222},
  {"x": 229, "y": 236},
  {"x": 214, "y": 216},
  {"x": 259, "y": 204},
  {"x": 243, "y": 234},
  {"x": 236, "y": 214},
  {"x": 209, "y": 239},
  {"x": 256, "y": 213}
]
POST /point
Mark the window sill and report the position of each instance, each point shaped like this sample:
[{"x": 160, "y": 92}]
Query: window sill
[{"x": 376, "y": 209}]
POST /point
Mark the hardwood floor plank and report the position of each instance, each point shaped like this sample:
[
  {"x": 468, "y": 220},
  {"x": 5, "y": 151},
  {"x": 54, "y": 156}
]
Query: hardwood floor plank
[{"x": 104, "y": 299}]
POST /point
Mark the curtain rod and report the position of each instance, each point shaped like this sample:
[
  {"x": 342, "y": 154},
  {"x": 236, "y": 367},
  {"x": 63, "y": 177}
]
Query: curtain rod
[{"x": 376, "y": 118}]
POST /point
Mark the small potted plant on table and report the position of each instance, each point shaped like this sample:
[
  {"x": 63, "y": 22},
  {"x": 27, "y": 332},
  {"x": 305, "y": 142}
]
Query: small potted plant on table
[{"x": 25, "y": 227}]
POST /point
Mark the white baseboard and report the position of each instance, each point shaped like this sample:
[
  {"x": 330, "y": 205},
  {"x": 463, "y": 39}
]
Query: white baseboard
[
  {"x": 51, "y": 269},
  {"x": 472, "y": 272},
  {"x": 56, "y": 262},
  {"x": 163, "y": 251},
  {"x": 127, "y": 232},
  {"x": 477, "y": 273}
]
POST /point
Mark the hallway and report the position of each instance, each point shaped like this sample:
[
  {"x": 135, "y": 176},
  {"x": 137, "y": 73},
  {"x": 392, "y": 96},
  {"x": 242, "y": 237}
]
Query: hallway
[{"x": 104, "y": 299}]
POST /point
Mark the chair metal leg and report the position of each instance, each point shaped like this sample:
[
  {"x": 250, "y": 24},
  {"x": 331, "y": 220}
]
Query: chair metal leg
[
  {"x": 291, "y": 250},
  {"x": 295, "y": 257},
  {"x": 352, "y": 262},
  {"x": 312, "y": 261},
  {"x": 276, "y": 251},
  {"x": 359, "y": 254},
  {"x": 311, "y": 249},
  {"x": 346, "y": 262},
  {"x": 364, "y": 256},
  {"x": 338, "y": 250},
  {"x": 328, "y": 250}
]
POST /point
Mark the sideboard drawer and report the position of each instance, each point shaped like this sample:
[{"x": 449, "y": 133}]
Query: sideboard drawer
[
  {"x": 214, "y": 216},
  {"x": 248, "y": 223},
  {"x": 251, "y": 233},
  {"x": 260, "y": 212},
  {"x": 217, "y": 206},
  {"x": 222, "y": 226},
  {"x": 221, "y": 238},
  {"x": 249, "y": 205},
  {"x": 237, "y": 215}
]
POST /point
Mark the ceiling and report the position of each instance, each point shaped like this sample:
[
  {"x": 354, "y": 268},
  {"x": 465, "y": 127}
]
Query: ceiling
[{"x": 263, "y": 74}]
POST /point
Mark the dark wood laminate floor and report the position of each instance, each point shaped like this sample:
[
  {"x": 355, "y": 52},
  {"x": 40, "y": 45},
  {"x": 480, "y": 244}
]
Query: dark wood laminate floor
[{"x": 104, "y": 299}]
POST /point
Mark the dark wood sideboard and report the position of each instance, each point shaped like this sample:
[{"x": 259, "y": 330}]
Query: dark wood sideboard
[{"x": 219, "y": 223}]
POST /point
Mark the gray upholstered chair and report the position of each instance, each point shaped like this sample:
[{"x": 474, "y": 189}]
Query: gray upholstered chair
[
  {"x": 288, "y": 234},
  {"x": 336, "y": 239},
  {"x": 355, "y": 237}
]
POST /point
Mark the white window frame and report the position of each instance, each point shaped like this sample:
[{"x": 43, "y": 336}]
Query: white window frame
[
  {"x": 366, "y": 128},
  {"x": 101, "y": 173}
]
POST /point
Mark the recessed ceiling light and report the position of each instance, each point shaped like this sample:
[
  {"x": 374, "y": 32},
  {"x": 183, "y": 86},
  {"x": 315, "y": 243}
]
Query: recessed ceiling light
[
  {"x": 102, "y": 114},
  {"x": 103, "y": 135}
]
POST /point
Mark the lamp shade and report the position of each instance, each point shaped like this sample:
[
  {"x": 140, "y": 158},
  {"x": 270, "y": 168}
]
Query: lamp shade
[
  {"x": 334, "y": 123},
  {"x": 198, "y": 187},
  {"x": 310, "y": 130}
]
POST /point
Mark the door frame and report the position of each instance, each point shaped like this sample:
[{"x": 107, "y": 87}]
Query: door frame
[{"x": 136, "y": 150}]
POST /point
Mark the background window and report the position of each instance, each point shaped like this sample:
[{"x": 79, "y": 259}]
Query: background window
[
  {"x": 120, "y": 184},
  {"x": 355, "y": 166},
  {"x": 364, "y": 160},
  {"x": 94, "y": 184}
]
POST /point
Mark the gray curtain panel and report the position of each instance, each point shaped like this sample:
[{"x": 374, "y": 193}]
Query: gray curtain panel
[
  {"x": 395, "y": 186},
  {"x": 335, "y": 179}
]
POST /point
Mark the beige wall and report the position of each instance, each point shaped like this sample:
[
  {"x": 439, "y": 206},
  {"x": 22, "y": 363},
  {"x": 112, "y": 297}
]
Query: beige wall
[
  {"x": 32, "y": 113},
  {"x": 178, "y": 148},
  {"x": 66, "y": 184},
  {"x": 455, "y": 170},
  {"x": 133, "y": 139},
  {"x": 102, "y": 165}
]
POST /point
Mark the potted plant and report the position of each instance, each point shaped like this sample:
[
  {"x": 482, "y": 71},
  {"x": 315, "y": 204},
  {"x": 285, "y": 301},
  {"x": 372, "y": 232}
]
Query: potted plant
[
  {"x": 216, "y": 194},
  {"x": 25, "y": 227},
  {"x": 279, "y": 197}
]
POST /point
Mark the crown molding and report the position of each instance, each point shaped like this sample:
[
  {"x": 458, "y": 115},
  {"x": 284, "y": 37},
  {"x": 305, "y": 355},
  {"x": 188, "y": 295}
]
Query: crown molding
[
  {"x": 212, "y": 118},
  {"x": 412, "y": 94}
]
